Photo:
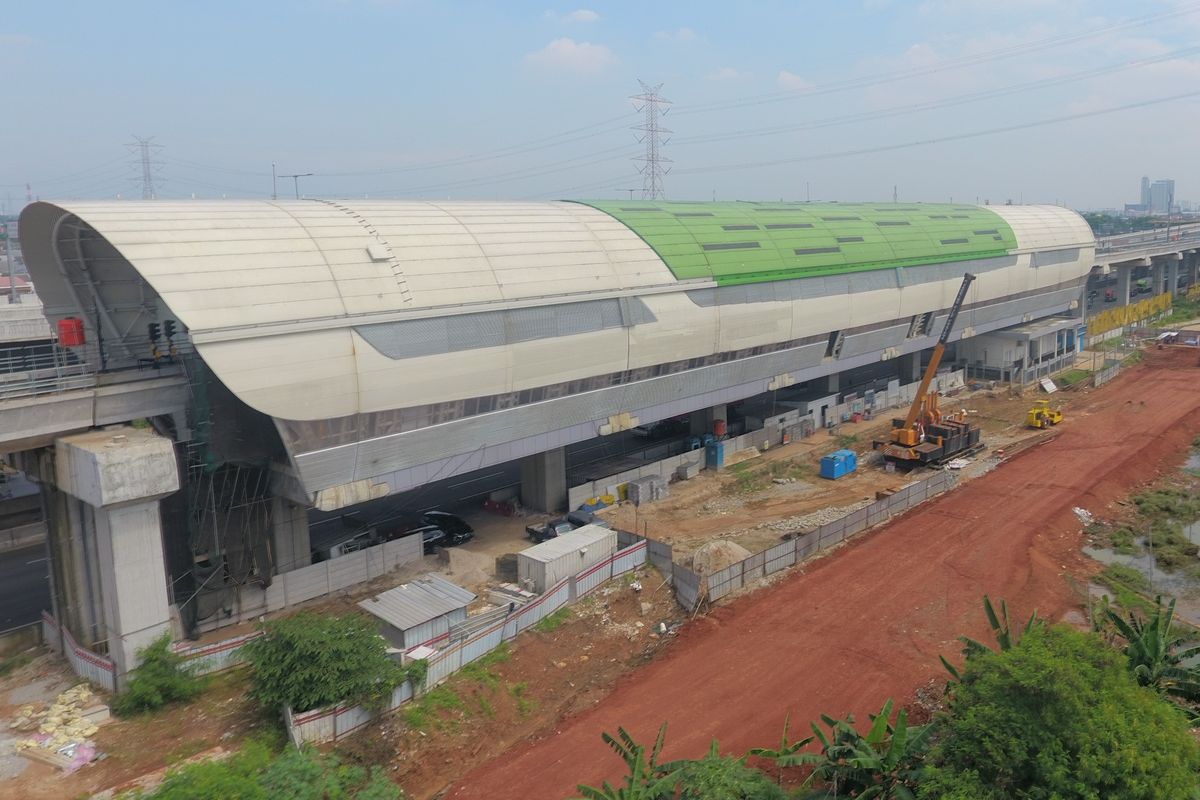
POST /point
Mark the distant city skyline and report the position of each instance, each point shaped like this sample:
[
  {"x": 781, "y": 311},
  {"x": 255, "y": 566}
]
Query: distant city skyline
[{"x": 1027, "y": 100}]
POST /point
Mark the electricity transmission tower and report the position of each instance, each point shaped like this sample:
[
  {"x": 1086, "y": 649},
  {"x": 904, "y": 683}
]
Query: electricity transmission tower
[
  {"x": 143, "y": 150},
  {"x": 654, "y": 164}
]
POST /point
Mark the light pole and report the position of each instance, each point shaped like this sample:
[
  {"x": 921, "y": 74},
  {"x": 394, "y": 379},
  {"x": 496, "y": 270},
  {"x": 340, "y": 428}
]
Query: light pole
[{"x": 296, "y": 180}]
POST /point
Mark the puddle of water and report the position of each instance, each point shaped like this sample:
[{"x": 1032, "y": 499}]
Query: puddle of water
[
  {"x": 1192, "y": 465},
  {"x": 1184, "y": 589}
]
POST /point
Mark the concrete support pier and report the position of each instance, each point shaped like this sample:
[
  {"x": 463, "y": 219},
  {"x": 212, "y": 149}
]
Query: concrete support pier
[
  {"x": 544, "y": 481},
  {"x": 109, "y": 483}
]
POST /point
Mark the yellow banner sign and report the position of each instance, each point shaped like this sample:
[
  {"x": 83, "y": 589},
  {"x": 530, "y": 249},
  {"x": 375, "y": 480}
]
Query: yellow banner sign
[{"x": 1115, "y": 318}]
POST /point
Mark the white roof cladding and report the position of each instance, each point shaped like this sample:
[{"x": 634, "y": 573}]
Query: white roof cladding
[
  {"x": 233, "y": 264},
  {"x": 282, "y": 283},
  {"x": 1046, "y": 227}
]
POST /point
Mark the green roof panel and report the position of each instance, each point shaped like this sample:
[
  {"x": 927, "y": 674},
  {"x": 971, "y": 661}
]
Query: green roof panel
[{"x": 734, "y": 243}]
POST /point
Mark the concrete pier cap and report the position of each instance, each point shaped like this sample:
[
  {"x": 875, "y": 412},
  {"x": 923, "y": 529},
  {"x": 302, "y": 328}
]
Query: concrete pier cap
[{"x": 116, "y": 466}]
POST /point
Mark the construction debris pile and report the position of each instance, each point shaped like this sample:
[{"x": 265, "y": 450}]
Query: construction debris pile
[{"x": 63, "y": 731}]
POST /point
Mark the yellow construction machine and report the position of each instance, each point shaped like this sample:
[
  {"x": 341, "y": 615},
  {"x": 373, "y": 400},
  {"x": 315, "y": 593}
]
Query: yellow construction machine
[
  {"x": 927, "y": 436},
  {"x": 1042, "y": 415}
]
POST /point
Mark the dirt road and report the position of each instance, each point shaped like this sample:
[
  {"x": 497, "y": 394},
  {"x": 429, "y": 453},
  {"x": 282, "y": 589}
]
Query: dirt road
[{"x": 869, "y": 622}]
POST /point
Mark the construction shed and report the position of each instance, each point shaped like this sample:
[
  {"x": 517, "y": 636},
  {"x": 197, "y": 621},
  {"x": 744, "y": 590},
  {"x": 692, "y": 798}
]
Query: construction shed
[
  {"x": 544, "y": 565},
  {"x": 419, "y": 612}
]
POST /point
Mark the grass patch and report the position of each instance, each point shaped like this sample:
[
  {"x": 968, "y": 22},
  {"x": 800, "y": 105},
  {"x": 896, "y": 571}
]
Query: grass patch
[
  {"x": 525, "y": 704},
  {"x": 424, "y": 710},
  {"x": 554, "y": 621},
  {"x": 846, "y": 440},
  {"x": 1072, "y": 376},
  {"x": 1128, "y": 576},
  {"x": 1182, "y": 310},
  {"x": 480, "y": 670},
  {"x": 485, "y": 707},
  {"x": 1168, "y": 504},
  {"x": 1131, "y": 359},
  {"x": 13, "y": 663}
]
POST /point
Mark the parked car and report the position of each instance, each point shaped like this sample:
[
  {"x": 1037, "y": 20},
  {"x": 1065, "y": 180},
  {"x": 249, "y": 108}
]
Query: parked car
[
  {"x": 561, "y": 526},
  {"x": 663, "y": 429},
  {"x": 341, "y": 535},
  {"x": 436, "y": 528}
]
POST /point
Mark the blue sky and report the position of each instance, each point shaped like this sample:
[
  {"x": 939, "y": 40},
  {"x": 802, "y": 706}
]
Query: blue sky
[{"x": 531, "y": 100}]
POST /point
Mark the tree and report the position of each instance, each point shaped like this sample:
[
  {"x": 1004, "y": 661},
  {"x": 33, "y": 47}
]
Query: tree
[
  {"x": 1157, "y": 656},
  {"x": 308, "y": 661},
  {"x": 161, "y": 678},
  {"x": 1058, "y": 716}
]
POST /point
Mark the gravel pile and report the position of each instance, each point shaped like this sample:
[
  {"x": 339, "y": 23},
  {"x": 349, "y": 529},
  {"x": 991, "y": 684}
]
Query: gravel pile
[{"x": 814, "y": 519}]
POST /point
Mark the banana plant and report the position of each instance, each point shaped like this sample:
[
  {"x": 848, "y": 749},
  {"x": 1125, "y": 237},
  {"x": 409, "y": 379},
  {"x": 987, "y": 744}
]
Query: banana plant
[
  {"x": 1001, "y": 629},
  {"x": 787, "y": 754},
  {"x": 885, "y": 764},
  {"x": 1157, "y": 657},
  {"x": 646, "y": 780}
]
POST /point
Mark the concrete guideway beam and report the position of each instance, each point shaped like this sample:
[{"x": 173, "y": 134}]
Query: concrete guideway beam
[{"x": 117, "y": 476}]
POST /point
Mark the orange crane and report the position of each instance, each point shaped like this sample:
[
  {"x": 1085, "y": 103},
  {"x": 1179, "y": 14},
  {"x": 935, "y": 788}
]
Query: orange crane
[{"x": 927, "y": 436}]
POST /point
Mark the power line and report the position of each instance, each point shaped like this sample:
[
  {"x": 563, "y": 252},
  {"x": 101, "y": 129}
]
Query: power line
[
  {"x": 653, "y": 168},
  {"x": 970, "y": 97},
  {"x": 940, "y": 139},
  {"x": 876, "y": 79}
]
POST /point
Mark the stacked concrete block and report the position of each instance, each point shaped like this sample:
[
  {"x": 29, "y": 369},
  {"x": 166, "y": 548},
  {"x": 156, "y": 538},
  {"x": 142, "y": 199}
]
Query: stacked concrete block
[{"x": 647, "y": 489}]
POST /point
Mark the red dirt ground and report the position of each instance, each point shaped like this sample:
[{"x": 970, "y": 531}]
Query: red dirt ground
[{"x": 869, "y": 622}]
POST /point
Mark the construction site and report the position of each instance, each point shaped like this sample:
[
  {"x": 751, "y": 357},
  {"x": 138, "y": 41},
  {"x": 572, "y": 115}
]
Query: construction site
[{"x": 594, "y": 514}]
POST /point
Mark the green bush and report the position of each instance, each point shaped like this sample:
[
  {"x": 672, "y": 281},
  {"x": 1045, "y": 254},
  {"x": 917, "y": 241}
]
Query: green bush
[
  {"x": 1058, "y": 716},
  {"x": 161, "y": 678},
  {"x": 253, "y": 774},
  {"x": 307, "y": 661}
]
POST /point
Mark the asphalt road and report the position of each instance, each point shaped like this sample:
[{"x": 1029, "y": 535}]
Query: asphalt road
[{"x": 24, "y": 586}]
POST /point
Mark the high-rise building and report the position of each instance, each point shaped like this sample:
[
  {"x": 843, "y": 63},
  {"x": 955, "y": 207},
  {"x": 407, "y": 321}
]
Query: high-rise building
[
  {"x": 1162, "y": 196},
  {"x": 1145, "y": 201}
]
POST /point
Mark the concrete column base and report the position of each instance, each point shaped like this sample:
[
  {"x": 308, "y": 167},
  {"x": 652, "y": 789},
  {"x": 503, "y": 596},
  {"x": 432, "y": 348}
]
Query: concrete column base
[
  {"x": 290, "y": 546},
  {"x": 544, "y": 481}
]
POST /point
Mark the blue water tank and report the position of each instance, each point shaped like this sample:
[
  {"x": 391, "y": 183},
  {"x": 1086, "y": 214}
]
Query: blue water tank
[
  {"x": 714, "y": 455},
  {"x": 838, "y": 463}
]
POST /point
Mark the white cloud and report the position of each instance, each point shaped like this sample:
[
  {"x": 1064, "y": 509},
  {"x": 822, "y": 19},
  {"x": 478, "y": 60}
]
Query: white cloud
[
  {"x": 568, "y": 54},
  {"x": 792, "y": 82},
  {"x": 727, "y": 74},
  {"x": 680, "y": 35},
  {"x": 582, "y": 16}
]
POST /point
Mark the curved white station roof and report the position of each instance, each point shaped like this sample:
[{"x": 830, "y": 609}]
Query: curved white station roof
[{"x": 271, "y": 292}]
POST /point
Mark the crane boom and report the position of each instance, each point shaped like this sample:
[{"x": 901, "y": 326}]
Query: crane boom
[{"x": 936, "y": 359}]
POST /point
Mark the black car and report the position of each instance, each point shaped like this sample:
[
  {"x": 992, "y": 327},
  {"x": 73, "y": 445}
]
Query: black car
[{"x": 436, "y": 528}]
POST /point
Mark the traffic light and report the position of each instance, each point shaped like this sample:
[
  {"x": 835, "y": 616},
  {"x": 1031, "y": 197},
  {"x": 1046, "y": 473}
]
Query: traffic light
[
  {"x": 153, "y": 331},
  {"x": 169, "y": 329}
]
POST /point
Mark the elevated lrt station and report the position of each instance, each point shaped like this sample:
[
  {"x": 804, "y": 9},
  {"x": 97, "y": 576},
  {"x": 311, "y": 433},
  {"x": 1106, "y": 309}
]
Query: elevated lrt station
[{"x": 251, "y": 364}]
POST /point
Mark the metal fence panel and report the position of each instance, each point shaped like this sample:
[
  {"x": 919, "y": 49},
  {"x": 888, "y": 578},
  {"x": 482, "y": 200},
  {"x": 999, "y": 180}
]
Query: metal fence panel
[
  {"x": 781, "y": 556},
  {"x": 86, "y": 664},
  {"x": 630, "y": 558},
  {"x": 347, "y": 570},
  {"x": 807, "y": 545},
  {"x": 314, "y": 726},
  {"x": 217, "y": 656},
  {"x": 443, "y": 665},
  {"x": 544, "y": 606},
  {"x": 752, "y": 567},
  {"x": 724, "y": 581},
  {"x": 348, "y": 719},
  {"x": 592, "y": 577},
  {"x": 687, "y": 586},
  {"x": 661, "y": 556},
  {"x": 625, "y": 538},
  {"x": 482, "y": 643}
]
